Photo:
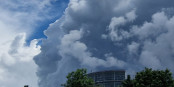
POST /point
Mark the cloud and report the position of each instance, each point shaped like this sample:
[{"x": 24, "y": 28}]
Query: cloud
[
  {"x": 18, "y": 20},
  {"x": 71, "y": 46},
  {"x": 162, "y": 47},
  {"x": 117, "y": 34},
  {"x": 149, "y": 60},
  {"x": 133, "y": 48},
  {"x": 106, "y": 35},
  {"x": 22, "y": 52},
  {"x": 16, "y": 62},
  {"x": 151, "y": 29},
  {"x": 157, "y": 47},
  {"x": 14, "y": 12}
]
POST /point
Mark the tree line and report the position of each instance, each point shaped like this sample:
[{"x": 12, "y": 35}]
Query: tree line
[{"x": 144, "y": 78}]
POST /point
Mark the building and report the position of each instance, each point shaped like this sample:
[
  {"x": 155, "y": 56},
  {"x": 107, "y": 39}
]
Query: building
[
  {"x": 110, "y": 78},
  {"x": 26, "y": 86}
]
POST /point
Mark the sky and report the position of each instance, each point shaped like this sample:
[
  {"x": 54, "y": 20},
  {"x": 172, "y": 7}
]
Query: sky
[
  {"x": 22, "y": 23},
  {"x": 42, "y": 41}
]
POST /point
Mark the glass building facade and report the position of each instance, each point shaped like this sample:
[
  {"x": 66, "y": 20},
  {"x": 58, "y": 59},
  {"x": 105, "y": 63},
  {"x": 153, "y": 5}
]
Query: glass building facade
[{"x": 111, "y": 78}]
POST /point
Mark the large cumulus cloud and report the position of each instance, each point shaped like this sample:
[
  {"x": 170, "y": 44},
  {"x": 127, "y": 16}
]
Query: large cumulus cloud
[
  {"x": 18, "y": 20},
  {"x": 107, "y": 34}
]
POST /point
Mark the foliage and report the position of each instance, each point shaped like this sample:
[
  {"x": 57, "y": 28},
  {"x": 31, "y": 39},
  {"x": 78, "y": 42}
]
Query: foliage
[
  {"x": 150, "y": 78},
  {"x": 128, "y": 82},
  {"x": 78, "y": 78},
  {"x": 25, "y": 85}
]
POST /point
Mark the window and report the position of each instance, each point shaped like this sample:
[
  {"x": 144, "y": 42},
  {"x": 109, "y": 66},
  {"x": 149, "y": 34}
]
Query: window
[
  {"x": 117, "y": 84},
  {"x": 109, "y": 84},
  {"x": 98, "y": 77},
  {"x": 109, "y": 76}
]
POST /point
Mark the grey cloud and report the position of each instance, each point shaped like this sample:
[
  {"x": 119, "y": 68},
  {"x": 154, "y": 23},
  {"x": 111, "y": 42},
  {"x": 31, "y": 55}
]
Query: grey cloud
[
  {"x": 18, "y": 41},
  {"x": 133, "y": 48},
  {"x": 81, "y": 38},
  {"x": 71, "y": 46},
  {"x": 117, "y": 34},
  {"x": 151, "y": 29},
  {"x": 149, "y": 60},
  {"x": 83, "y": 14},
  {"x": 157, "y": 49}
]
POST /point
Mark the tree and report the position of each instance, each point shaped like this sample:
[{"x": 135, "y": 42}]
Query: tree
[
  {"x": 78, "y": 78},
  {"x": 25, "y": 85},
  {"x": 151, "y": 78},
  {"x": 128, "y": 82}
]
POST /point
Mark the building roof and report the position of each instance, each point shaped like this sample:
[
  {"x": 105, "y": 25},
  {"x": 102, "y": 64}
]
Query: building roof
[{"x": 107, "y": 71}]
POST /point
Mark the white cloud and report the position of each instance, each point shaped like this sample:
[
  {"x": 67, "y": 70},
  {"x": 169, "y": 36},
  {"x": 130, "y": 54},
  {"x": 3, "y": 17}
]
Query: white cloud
[
  {"x": 113, "y": 27},
  {"x": 78, "y": 5},
  {"x": 149, "y": 60},
  {"x": 131, "y": 16},
  {"x": 123, "y": 5},
  {"x": 115, "y": 22},
  {"x": 19, "y": 51},
  {"x": 17, "y": 67},
  {"x": 156, "y": 37},
  {"x": 153, "y": 28},
  {"x": 116, "y": 33}
]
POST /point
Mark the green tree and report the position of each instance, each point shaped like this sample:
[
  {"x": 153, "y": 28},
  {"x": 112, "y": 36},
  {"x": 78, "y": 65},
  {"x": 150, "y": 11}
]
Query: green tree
[
  {"x": 25, "y": 85},
  {"x": 78, "y": 78},
  {"x": 151, "y": 78},
  {"x": 128, "y": 82}
]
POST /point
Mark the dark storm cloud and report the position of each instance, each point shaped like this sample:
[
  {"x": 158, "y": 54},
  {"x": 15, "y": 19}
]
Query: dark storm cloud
[
  {"x": 146, "y": 8},
  {"x": 106, "y": 34}
]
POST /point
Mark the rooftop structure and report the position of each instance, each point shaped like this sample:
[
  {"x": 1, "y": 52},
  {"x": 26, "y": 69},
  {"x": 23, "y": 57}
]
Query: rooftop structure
[
  {"x": 26, "y": 86},
  {"x": 109, "y": 78}
]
